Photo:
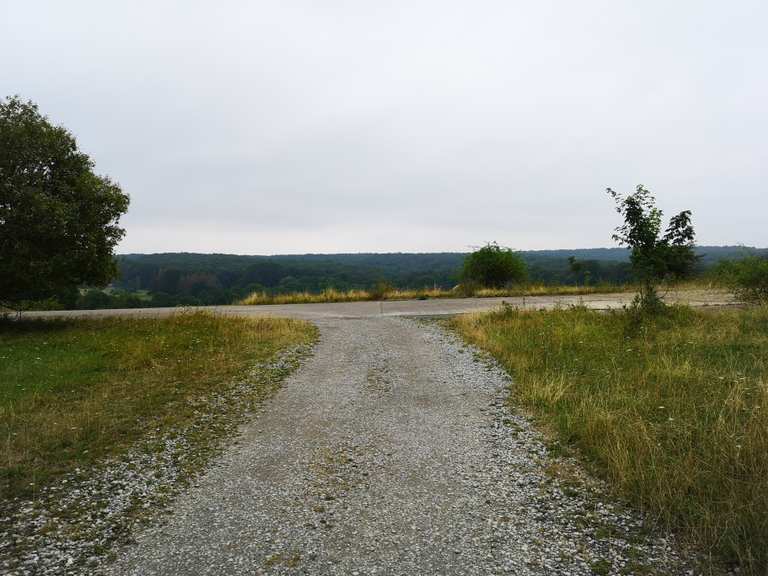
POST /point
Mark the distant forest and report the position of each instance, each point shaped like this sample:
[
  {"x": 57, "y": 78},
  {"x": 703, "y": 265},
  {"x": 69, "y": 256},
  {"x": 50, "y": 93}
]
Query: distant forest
[{"x": 192, "y": 279}]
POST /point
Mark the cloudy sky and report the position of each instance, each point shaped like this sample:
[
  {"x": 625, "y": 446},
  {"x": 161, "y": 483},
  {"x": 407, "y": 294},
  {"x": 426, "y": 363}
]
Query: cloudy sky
[{"x": 293, "y": 126}]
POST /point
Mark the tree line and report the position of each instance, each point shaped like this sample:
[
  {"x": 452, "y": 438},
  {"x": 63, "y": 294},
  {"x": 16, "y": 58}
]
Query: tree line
[{"x": 200, "y": 279}]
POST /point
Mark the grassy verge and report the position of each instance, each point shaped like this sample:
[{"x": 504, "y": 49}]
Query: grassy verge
[
  {"x": 332, "y": 295},
  {"x": 74, "y": 391},
  {"x": 672, "y": 412}
]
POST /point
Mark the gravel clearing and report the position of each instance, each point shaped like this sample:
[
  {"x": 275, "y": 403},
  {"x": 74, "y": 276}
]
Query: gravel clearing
[{"x": 393, "y": 451}]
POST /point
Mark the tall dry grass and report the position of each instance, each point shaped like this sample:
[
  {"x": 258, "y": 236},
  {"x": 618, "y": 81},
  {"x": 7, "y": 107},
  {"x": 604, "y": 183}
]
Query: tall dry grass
[
  {"x": 673, "y": 412},
  {"x": 333, "y": 295}
]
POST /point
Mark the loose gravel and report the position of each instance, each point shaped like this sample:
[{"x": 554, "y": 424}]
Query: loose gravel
[{"x": 394, "y": 451}]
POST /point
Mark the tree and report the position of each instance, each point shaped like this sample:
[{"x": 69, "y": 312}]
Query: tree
[
  {"x": 494, "y": 266},
  {"x": 654, "y": 258},
  {"x": 58, "y": 220}
]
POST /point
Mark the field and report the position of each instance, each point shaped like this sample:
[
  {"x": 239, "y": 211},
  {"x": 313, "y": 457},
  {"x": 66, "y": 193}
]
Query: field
[
  {"x": 74, "y": 391},
  {"x": 673, "y": 412}
]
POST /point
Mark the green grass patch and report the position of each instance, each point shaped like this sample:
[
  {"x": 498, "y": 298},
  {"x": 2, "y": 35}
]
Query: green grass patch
[
  {"x": 74, "y": 391},
  {"x": 673, "y": 412}
]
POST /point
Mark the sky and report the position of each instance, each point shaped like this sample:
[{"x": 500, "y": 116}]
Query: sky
[{"x": 297, "y": 126}]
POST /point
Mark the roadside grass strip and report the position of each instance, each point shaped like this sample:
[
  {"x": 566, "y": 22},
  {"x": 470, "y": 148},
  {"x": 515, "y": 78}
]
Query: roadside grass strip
[
  {"x": 75, "y": 391},
  {"x": 673, "y": 412},
  {"x": 333, "y": 295}
]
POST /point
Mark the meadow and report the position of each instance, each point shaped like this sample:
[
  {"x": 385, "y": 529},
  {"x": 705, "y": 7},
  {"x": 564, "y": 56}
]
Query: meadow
[
  {"x": 671, "y": 411},
  {"x": 75, "y": 391}
]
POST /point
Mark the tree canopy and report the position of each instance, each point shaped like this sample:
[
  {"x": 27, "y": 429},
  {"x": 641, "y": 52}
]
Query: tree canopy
[
  {"x": 58, "y": 219},
  {"x": 494, "y": 266}
]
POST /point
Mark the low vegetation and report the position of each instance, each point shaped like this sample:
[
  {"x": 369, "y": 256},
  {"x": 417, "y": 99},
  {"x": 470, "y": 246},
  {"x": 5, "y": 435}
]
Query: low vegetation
[
  {"x": 746, "y": 277},
  {"x": 672, "y": 410},
  {"x": 74, "y": 391},
  {"x": 332, "y": 295}
]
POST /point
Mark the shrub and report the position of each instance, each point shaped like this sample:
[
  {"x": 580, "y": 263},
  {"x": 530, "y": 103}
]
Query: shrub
[
  {"x": 748, "y": 278},
  {"x": 467, "y": 289},
  {"x": 654, "y": 257},
  {"x": 381, "y": 290},
  {"x": 493, "y": 266}
]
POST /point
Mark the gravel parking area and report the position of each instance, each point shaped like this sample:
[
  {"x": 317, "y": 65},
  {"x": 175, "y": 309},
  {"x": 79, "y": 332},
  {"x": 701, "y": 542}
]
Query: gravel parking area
[{"x": 392, "y": 451}]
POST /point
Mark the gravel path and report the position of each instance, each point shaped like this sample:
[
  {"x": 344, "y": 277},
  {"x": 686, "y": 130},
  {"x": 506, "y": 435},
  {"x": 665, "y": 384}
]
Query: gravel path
[{"x": 392, "y": 452}]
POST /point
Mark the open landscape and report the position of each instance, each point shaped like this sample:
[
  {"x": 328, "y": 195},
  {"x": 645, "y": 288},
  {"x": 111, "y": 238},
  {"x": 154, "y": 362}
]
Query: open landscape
[{"x": 383, "y": 288}]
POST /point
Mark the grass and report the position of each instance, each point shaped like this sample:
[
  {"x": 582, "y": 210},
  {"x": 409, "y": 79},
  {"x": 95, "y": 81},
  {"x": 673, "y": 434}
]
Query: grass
[
  {"x": 333, "y": 295},
  {"x": 673, "y": 412},
  {"x": 74, "y": 391}
]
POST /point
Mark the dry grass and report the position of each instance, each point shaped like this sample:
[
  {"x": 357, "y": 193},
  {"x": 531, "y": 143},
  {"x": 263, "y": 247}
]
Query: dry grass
[
  {"x": 673, "y": 411},
  {"x": 74, "y": 391},
  {"x": 332, "y": 295}
]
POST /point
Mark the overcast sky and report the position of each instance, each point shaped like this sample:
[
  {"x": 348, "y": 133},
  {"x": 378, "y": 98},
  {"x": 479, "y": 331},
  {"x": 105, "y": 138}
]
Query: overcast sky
[{"x": 416, "y": 125}]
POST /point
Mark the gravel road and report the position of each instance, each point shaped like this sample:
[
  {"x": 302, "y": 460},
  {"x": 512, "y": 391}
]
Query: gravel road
[{"x": 392, "y": 451}]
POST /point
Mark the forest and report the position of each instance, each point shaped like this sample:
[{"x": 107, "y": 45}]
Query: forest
[{"x": 173, "y": 279}]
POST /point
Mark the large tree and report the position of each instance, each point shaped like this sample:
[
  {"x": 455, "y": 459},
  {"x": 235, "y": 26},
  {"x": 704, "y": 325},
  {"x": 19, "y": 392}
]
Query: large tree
[{"x": 58, "y": 220}]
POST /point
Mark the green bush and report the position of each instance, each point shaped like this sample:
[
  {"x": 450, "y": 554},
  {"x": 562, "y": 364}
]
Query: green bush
[
  {"x": 493, "y": 266},
  {"x": 748, "y": 278}
]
